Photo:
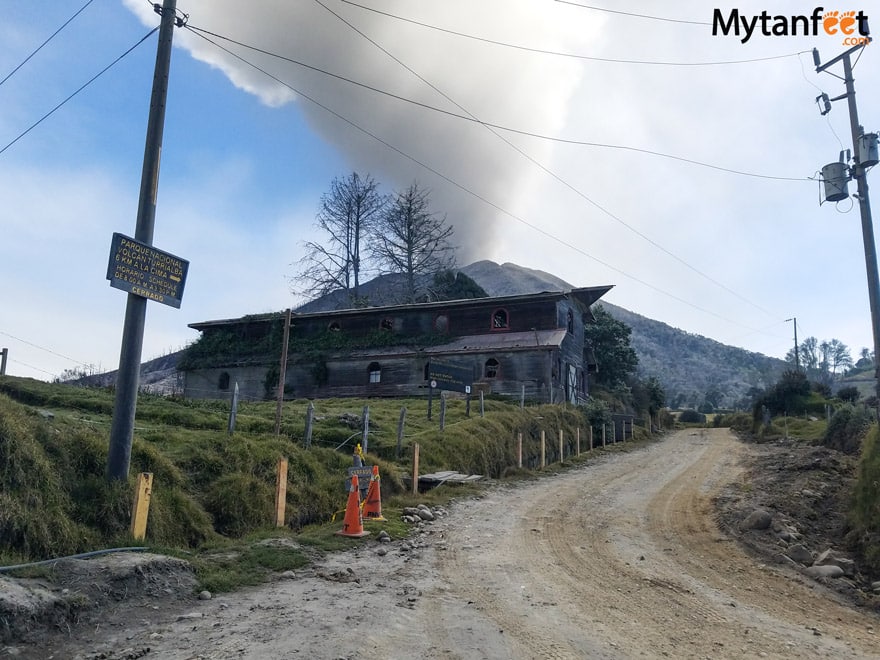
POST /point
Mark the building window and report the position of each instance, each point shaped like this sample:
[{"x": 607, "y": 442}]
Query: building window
[
  {"x": 386, "y": 325},
  {"x": 375, "y": 372},
  {"x": 570, "y": 322},
  {"x": 334, "y": 326},
  {"x": 441, "y": 324},
  {"x": 223, "y": 382},
  {"x": 492, "y": 367},
  {"x": 499, "y": 319}
]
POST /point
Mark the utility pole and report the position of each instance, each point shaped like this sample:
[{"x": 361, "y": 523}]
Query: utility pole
[
  {"x": 3, "y": 355},
  {"x": 797, "y": 362},
  {"x": 859, "y": 174},
  {"x": 128, "y": 376}
]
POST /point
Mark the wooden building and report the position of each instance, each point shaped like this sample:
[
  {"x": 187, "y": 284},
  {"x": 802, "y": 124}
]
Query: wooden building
[{"x": 532, "y": 343}]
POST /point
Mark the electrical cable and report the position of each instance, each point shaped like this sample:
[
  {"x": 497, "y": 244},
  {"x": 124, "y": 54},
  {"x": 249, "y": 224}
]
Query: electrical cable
[
  {"x": 30, "y": 366},
  {"x": 634, "y": 15},
  {"x": 81, "y": 88},
  {"x": 821, "y": 91},
  {"x": 474, "y": 120},
  {"x": 48, "y": 350},
  {"x": 578, "y": 192},
  {"x": 541, "y": 51},
  {"x": 40, "y": 47},
  {"x": 462, "y": 187}
]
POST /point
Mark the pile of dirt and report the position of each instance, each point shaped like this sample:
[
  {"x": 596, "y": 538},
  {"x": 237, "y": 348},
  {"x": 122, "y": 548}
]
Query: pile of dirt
[
  {"x": 790, "y": 508},
  {"x": 74, "y": 591}
]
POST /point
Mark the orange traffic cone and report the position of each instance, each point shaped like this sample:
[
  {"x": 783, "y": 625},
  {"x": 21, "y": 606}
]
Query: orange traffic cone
[
  {"x": 353, "y": 524},
  {"x": 373, "y": 500}
]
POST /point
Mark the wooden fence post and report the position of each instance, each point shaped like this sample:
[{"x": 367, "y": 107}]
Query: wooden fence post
[
  {"x": 233, "y": 410},
  {"x": 603, "y": 435},
  {"x": 310, "y": 419},
  {"x": 561, "y": 452},
  {"x": 281, "y": 492},
  {"x": 400, "y": 425},
  {"x": 591, "y": 438},
  {"x": 578, "y": 441},
  {"x": 141, "y": 509},
  {"x": 415, "y": 469},
  {"x": 442, "y": 410},
  {"x": 519, "y": 450},
  {"x": 365, "y": 437},
  {"x": 543, "y": 449},
  {"x": 282, "y": 372},
  {"x": 482, "y": 405}
]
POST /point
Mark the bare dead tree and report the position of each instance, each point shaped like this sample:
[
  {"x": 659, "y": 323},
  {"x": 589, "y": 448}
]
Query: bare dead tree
[
  {"x": 348, "y": 212},
  {"x": 412, "y": 241}
]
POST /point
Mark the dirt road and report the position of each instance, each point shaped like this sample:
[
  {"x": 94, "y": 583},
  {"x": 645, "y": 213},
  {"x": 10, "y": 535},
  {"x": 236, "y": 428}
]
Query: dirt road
[{"x": 619, "y": 558}]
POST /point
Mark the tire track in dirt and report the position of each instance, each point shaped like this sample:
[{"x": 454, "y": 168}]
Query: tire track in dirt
[{"x": 622, "y": 558}]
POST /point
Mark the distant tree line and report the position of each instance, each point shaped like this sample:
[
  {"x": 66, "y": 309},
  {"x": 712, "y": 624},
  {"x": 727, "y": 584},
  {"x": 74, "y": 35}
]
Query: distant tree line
[{"x": 824, "y": 361}]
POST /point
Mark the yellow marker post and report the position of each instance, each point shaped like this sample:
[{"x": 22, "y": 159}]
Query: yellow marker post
[
  {"x": 141, "y": 509},
  {"x": 281, "y": 493}
]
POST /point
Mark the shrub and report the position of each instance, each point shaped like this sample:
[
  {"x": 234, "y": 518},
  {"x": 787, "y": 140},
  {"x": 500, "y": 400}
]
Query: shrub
[
  {"x": 864, "y": 514},
  {"x": 849, "y": 394},
  {"x": 847, "y": 428},
  {"x": 691, "y": 416}
]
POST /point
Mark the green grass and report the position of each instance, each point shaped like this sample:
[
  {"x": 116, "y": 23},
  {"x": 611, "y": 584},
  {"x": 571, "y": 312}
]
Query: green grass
[{"x": 213, "y": 494}]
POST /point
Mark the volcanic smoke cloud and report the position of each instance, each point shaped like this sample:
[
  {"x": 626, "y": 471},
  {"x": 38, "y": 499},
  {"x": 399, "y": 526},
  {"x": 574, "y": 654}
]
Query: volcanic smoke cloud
[{"x": 494, "y": 83}]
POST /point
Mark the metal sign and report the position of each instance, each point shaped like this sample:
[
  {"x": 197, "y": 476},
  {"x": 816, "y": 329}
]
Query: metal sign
[
  {"x": 143, "y": 270},
  {"x": 450, "y": 377}
]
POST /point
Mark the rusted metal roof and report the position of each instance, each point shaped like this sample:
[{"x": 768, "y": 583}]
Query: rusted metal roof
[{"x": 586, "y": 296}]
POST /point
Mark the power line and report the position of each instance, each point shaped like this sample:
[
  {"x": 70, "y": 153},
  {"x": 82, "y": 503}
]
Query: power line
[
  {"x": 471, "y": 118},
  {"x": 542, "y": 51},
  {"x": 40, "y": 47},
  {"x": 463, "y": 187},
  {"x": 632, "y": 14},
  {"x": 545, "y": 169},
  {"x": 81, "y": 88},
  {"x": 30, "y": 366},
  {"x": 48, "y": 350}
]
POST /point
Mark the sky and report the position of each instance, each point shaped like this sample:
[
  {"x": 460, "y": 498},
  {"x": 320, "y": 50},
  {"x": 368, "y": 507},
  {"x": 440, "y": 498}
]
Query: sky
[{"x": 702, "y": 208}]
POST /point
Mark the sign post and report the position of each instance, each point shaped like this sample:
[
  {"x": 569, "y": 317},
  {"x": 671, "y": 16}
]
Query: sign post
[
  {"x": 443, "y": 376},
  {"x": 122, "y": 425}
]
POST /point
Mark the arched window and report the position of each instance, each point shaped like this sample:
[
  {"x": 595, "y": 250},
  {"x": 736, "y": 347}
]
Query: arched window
[
  {"x": 492, "y": 368},
  {"x": 441, "y": 323},
  {"x": 570, "y": 322},
  {"x": 375, "y": 372},
  {"x": 500, "y": 320},
  {"x": 223, "y": 381}
]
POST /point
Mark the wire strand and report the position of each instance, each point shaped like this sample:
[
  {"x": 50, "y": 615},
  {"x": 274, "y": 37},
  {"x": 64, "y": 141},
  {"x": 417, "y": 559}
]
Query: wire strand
[
  {"x": 541, "y": 51},
  {"x": 47, "y": 350},
  {"x": 552, "y": 174},
  {"x": 40, "y": 47},
  {"x": 632, "y": 14},
  {"x": 473, "y": 119},
  {"x": 464, "y": 188},
  {"x": 81, "y": 88}
]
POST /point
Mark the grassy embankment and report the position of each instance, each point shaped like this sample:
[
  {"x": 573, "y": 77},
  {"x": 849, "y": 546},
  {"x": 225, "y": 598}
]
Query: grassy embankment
[{"x": 213, "y": 494}]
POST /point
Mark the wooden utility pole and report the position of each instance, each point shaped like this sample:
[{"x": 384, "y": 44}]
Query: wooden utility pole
[
  {"x": 282, "y": 373},
  {"x": 859, "y": 173},
  {"x": 4, "y": 354},
  {"x": 128, "y": 376}
]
